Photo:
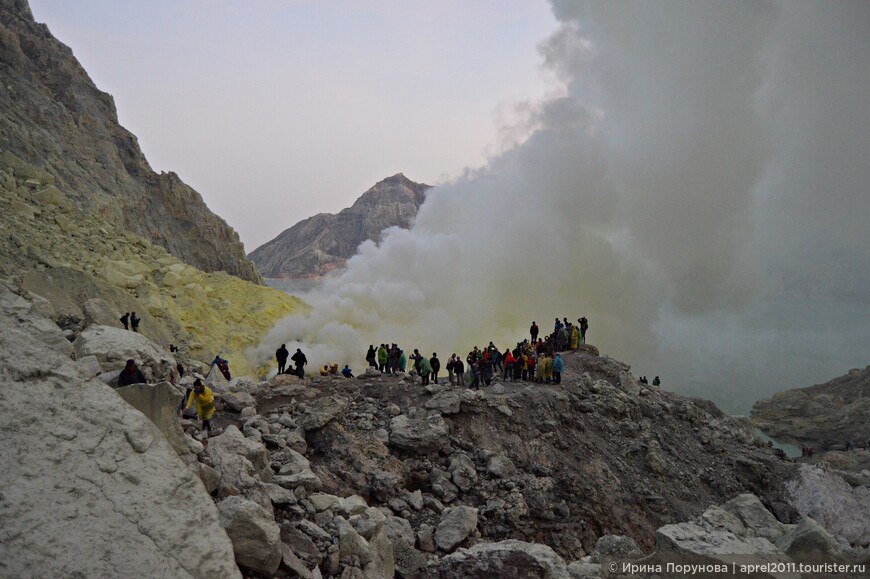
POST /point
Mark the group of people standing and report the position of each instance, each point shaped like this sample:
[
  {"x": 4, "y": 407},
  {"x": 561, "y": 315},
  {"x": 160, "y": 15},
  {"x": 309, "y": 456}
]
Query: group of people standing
[
  {"x": 536, "y": 360},
  {"x": 130, "y": 321},
  {"x": 299, "y": 360}
]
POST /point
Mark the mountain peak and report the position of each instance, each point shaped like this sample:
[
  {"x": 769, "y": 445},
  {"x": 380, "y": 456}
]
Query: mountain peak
[{"x": 323, "y": 243}]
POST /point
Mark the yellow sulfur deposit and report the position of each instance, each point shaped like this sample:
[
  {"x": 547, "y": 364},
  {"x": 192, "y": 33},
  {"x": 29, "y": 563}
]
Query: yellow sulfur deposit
[{"x": 70, "y": 257}]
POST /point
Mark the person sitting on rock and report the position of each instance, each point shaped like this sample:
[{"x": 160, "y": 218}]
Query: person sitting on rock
[
  {"x": 134, "y": 322},
  {"x": 656, "y": 381},
  {"x": 205, "y": 405},
  {"x": 346, "y": 372},
  {"x": 131, "y": 374},
  {"x": 125, "y": 319}
]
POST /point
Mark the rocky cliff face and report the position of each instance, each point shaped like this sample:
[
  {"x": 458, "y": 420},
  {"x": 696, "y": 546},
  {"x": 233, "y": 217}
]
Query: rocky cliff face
[
  {"x": 58, "y": 129},
  {"x": 824, "y": 416},
  {"x": 323, "y": 243}
]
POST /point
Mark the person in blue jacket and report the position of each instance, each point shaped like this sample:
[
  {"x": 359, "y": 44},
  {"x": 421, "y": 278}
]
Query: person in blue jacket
[{"x": 558, "y": 367}]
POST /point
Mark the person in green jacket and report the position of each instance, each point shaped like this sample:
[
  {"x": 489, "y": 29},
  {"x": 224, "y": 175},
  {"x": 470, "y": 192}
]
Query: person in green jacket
[
  {"x": 425, "y": 370},
  {"x": 382, "y": 358}
]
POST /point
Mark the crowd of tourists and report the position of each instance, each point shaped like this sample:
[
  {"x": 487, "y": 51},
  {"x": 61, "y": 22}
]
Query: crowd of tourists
[{"x": 533, "y": 359}]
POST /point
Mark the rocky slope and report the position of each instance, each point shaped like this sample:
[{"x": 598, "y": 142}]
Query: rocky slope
[
  {"x": 84, "y": 271},
  {"x": 323, "y": 243},
  {"x": 380, "y": 476},
  {"x": 59, "y": 130},
  {"x": 824, "y": 416}
]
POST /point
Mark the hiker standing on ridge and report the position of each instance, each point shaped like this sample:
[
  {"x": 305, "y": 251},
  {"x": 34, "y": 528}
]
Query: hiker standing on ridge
[
  {"x": 584, "y": 325},
  {"x": 299, "y": 360},
  {"x": 459, "y": 370},
  {"x": 134, "y": 322},
  {"x": 383, "y": 356},
  {"x": 281, "y": 354},
  {"x": 558, "y": 368},
  {"x": 372, "y": 357},
  {"x": 125, "y": 319},
  {"x": 533, "y": 330},
  {"x": 435, "y": 364},
  {"x": 425, "y": 369}
]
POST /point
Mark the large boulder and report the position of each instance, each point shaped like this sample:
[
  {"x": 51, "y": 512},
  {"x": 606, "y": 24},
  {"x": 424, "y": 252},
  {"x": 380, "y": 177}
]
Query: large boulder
[
  {"x": 456, "y": 525},
  {"x": 444, "y": 402},
  {"x": 160, "y": 404},
  {"x": 693, "y": 539},
  {"x": 230, "y": 450},
  {"x": 322, "y": 411},
  {"x": 809, "y": 541},
  {"x": 255, "y": 535},
  {"x": 422, "y": 434},
  {"x": 615, "y": 546},
  {"x": 509, "y": 558},
  {"x": 94, "y": 491},
  {"x": 755, "y": 517},
  {"x": 114, "y": 346}
]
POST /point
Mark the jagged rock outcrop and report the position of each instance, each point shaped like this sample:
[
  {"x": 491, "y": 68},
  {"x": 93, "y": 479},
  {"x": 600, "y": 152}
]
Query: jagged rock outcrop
[
  {"x": 323, "y": 243},
  {"x": 825, "y": 416},
  {"x": 561, "y": 465},
  {"x": 89, "y": 487},
  {"x": 60, "y": 134}
]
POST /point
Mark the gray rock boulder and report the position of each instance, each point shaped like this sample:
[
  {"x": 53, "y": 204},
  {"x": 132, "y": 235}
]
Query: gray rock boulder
[
  {"x": 237, "y": 401},
  {"x": 255, "y": 535},
  {"x": 456, "y": 525},
  {"x": 615, "y": 546},
  {"x": 160, "y": 404},
  {"x": 462, "y": 472},
  {"x": 322, "y": 411},
  {"x": 444, "y": 402},
  {"x": 755, "y": 517},
  {"x": 809, "y": 541},
  {"x": 584, "y": 570},
  {"x": 504, "y": 559},
  {"x": 693, "y": 540},
  {"x": 98, "y": 476},
  {"x": 114, "y": 346},
  {"x": 230, "y": 450},
  {"x": 421, "y": 435}
]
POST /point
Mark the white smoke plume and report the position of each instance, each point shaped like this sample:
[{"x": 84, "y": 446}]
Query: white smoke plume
[{"x": 699, "y": 190}]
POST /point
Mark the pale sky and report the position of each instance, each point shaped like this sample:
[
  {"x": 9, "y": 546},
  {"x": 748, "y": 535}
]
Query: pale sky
[{"x": 275, "y": 110}]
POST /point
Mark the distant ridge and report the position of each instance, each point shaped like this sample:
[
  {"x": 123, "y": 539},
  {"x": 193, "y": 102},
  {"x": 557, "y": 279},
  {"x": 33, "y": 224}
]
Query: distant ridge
[{"x": 323, "y": 243}]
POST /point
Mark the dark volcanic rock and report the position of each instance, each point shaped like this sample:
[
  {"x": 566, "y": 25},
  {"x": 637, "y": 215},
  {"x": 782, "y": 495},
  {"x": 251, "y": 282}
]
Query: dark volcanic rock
[
  {"x": 824, "y": 416},
  {"x": 322, "y": 243}
]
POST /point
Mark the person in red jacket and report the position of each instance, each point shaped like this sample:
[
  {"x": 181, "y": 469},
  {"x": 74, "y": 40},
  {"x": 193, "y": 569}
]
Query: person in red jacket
[{"x": 509, "y": 362}]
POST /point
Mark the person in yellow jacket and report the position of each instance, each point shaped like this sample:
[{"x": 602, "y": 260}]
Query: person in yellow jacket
[
  {"x": 205, "y": 405},
  {"x": 575, "y": 337}
]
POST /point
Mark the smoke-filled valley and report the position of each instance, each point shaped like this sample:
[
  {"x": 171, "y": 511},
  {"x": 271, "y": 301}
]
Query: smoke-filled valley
[{"x": 697, "y": 188}]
